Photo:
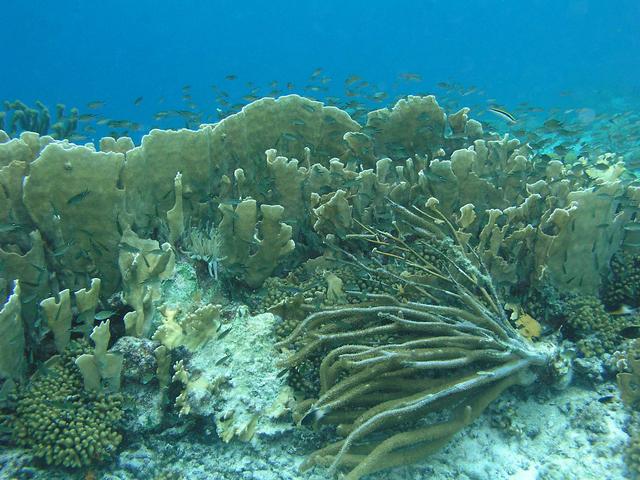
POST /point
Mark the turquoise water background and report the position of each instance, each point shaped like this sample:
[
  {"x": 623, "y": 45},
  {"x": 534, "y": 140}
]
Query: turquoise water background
[{"x": 569, "y": 54}]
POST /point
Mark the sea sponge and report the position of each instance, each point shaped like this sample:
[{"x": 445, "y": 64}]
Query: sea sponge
[{"x": 60, "y": 422}]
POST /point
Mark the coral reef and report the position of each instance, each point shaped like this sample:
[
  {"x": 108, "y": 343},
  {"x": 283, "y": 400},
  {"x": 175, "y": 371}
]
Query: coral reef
[
  {"x": 391, "y": 246},
  {"x": 61, "y": 422},
  {"x": 594, "y": 329},
  {"x": 623, "y": 288},
  {"x": 18, "y": 117}
]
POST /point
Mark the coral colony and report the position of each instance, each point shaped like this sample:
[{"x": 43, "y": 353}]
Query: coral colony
[{"x": 379, "y": 281}]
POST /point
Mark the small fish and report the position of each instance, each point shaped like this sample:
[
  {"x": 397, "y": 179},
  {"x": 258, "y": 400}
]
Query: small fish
[
  {"x": 87, "y": 117},
  {"x": 82, "y": 254},
  {"x": 128, "y": 248},
  {"x": 9, "y": 227},
  {"x": 316, "y": 73},
  {"x": 28, "y": 299},
  {"x": 223, "y": 359},
  {"x": 309, "y": 108},
  {"x": 289, "y": 136},
  {"x": 469, "y": 91},
  {"x": 118, "y": 123},
  {"x": 312, "y": 417},
  {"x": 104, "y": 314},
  {"x": 503, "y": 114},
  {"x": 606, "y": 398},
  {"x": 148, "y": 281},
  {"x": 231, "y": 77},
  {"x": 97, "y": 246},
  {"x": 624, "y": 310},
  {"x": 224, "y": 333},
  {"x": 553, "y": 124},
  {"x": 46, "y": 371},
  {"x": 96, "y": 104},
  {"x": 561, "y": 150},
  {"x": 352, "y": 79},
  {"x": 138, "y": 101},
  {"x": 411, "y": 77},
  {"x": 146, "y": 262},
  {"x": 632, "y": 227},
  {"x": 227, "y": 202},
  {"x": 78, "y": 198},
  {"x": 63, "y": 249}
]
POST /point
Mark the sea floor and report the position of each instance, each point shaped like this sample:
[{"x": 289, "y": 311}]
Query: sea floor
[{"x": 548, "y": 435}]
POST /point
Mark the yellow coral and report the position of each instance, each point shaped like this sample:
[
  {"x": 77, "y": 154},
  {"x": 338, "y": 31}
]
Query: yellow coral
[{"x": 528, "y": 326}]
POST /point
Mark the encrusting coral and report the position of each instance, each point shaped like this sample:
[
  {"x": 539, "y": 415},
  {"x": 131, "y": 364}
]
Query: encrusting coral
[
  {"x": 594, "y": 329},
  {"x": 623, "y": 288},
  {"x": 62, "y": 423},
  {"x": 390, "y": 369}
]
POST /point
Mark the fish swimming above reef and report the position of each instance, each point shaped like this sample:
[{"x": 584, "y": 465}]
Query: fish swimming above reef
[
  {"x": 503, "y": 114},
  {"x": 411, "y": 77}
]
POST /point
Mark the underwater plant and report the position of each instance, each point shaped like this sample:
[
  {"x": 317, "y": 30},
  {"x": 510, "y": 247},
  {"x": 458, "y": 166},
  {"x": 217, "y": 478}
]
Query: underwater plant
[
  {"x": 399, "y": 379},
  {"x": 62, "y": 423}
]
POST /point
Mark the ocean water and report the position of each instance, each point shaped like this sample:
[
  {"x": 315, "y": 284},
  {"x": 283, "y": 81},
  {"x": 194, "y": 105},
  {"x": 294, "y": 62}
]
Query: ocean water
[
  {"x": 572, "y": 54},
  {"x": 266, "y": 240}
]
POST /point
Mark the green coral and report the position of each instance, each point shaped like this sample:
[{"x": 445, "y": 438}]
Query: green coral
[
  {"x": 62, "y": 423},
  {"x": 623, "y": 288},
  {"x": 595, "y": 331}
]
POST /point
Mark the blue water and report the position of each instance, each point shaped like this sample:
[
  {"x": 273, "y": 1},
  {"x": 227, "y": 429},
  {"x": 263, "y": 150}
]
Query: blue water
[{"x": 569, "y": 54}]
